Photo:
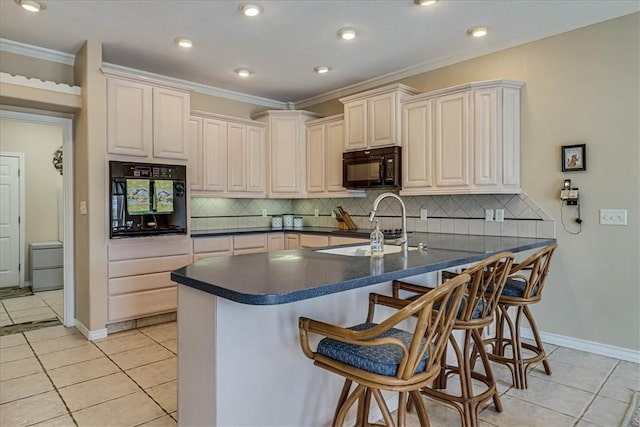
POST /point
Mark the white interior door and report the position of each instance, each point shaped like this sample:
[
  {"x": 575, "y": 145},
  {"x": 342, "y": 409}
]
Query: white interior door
[{"x": 9, "y": 221}]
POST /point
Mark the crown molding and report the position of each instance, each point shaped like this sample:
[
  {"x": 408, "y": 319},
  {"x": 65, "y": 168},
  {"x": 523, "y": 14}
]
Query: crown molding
[
  {"x": 122, "y": 71},
  {"x": 36, "y": 52}
]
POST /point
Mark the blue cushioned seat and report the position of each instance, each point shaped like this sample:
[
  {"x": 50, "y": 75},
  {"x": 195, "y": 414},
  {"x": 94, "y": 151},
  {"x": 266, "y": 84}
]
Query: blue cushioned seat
[
  {"x": 515, "y": 288},
  {"x": 380, "y": 359}
]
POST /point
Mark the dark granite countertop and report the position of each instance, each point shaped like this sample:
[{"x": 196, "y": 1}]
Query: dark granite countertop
[{"x": 293, "y": 275}]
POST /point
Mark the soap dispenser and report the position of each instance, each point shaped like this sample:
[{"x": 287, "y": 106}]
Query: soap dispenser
[{"x": 377, "y": 242}]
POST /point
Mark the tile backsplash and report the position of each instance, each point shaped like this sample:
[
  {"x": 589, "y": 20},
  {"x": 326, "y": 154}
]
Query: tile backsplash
[{"x": 459, "y": 214}]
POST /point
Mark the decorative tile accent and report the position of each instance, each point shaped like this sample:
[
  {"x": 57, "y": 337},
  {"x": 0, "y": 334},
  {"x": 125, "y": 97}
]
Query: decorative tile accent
[{"x": 460, "y": 214}]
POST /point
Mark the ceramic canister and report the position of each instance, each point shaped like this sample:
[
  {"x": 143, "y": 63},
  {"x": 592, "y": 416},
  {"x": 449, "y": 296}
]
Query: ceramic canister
[
  {"x": 276, "y": 221},
  {"x": 297, "y": 221},
  {"x": 287, "y": 220}
]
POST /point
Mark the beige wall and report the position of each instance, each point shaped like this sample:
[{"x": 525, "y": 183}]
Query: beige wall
[
  {"x": 42, "y": 181},
  {"x": 214, "y": 104},
  {"x": 581, "y": 87},
  {"x": 20, "y": 65}
]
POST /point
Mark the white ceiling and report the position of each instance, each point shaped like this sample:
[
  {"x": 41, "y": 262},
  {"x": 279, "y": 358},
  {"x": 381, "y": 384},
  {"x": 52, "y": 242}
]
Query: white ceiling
[{"x": 283, "y": 44}]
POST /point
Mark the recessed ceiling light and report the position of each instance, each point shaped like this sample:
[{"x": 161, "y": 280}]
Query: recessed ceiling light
[
  {"x": 186, "y": 43},
  {"x": 250, "y": 9},
  {"x": 31, "y": 5},
  {"x": 425, "y": 2},
  {"x": 478, "y": 31},
  {"x": 242, "y": 72},
  {"x": 347, "y": 34},
  {"x": 322, "y": 69}
]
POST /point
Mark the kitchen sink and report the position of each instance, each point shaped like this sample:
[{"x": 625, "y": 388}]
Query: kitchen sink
[{"x": 363, "y": 250}]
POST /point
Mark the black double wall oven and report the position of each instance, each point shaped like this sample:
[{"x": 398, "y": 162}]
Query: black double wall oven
[{"x": 147, "y": 199}]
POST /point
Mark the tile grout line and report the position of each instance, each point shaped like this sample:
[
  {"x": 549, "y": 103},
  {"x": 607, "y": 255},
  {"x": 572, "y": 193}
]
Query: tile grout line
[
  {"x": 596, "y": 394},
  {"x": 136, "y": 383},
  {"x": 52, "y": 384}
]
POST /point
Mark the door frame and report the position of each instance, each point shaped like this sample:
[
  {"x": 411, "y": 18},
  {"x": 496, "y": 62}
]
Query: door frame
[
  {"x": 66, "y": 122},
  {"x": 21, "y": 211}
]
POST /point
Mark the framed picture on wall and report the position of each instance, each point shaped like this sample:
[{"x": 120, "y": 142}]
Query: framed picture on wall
[{"x": 574, "y": 158}]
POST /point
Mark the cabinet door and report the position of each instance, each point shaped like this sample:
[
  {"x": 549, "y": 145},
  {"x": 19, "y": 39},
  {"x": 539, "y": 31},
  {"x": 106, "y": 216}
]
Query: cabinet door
[
  {"x": 256, "y": 160},
  {"x": 381, "y": 120},
  {"x": 334, "y": 146},
  {"x": 291, "y": 241},
  {"x": 195, "y": 153},
  {"x": 452, "y": 140},
  {"x": 275, "y": 242},
  {"x": 315, "y": 159},
  {"x": 129, "y": 118},
  {"x": 236, "y": 157},
  {"x": 170, "y": 123},
  {"x": 285, "y": 155},
  {"x": 214, "y": 147},
  {"x": 355, "y": 125},
  {"x": 313, "y": 241},
  {"x": 417, "y": 150},
  {"x": 487, "y": 140}
]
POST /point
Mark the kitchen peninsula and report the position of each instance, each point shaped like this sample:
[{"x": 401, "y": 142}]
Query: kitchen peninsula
[{"x": 240, "y": 362}]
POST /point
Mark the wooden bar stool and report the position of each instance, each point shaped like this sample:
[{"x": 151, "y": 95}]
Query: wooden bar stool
[
  {"x": 523, "y": 287},
  {"x": 382, "y": 357},
  {"x": 476, "y": 311}
]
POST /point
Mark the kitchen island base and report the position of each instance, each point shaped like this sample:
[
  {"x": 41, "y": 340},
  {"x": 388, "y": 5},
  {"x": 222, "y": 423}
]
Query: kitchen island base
[{"x": 242, "y": 365}]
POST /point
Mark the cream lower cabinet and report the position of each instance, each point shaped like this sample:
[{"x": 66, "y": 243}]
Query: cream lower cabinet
[
  {"x": 286, "y": 152},
  {"x": 462, "y": 140},
  {"x": 291, "y": 241},
  {"x": 140, "y": 276},
  {"x": 341, "y": 240},
  {"x": 313, "y": 241},
  {"x": 227, "y": 156},
  {"x": 239, "y": 244},
  {"x": 146, "y": 121}
]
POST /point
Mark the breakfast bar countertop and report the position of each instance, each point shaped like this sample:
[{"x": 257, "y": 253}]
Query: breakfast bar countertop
[{"x": 292, "y": 275}]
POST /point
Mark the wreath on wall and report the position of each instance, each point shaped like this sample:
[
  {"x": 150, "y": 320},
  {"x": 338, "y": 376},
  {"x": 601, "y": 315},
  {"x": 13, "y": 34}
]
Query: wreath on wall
[{"x": 57, "y": 160}]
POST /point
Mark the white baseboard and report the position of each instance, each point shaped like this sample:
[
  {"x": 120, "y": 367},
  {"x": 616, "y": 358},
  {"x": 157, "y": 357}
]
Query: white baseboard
[
  {"x": 90, "y": 335},
  {"x": 584, "y": 345}
]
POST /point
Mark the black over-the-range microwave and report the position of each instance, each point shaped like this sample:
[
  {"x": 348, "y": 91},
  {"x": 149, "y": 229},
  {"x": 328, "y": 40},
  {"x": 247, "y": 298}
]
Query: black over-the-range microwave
[{"x": 375, "y": 168}]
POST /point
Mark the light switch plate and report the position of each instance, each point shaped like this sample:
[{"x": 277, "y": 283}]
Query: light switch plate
[
  {"x": 613, "y": 216},
  {"x": 488, "y": 215},
  {"x": 83, "y": 207},
  {"x": 423, "y": 214}
]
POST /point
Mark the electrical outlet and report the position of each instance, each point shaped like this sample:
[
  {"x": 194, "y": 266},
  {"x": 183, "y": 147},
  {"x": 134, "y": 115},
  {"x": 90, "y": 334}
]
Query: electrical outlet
[
  {"x": 333, "y": 213},
  {"x": 316, "y": 213},
  {"x": 613, "y": 216},
  {"x": 83, "y": 207},
  {"x": 499, "y": 217},
  {"x": 264, "y": 213},
  {"x": 423, "y": 214},
  {"x": 488, "y": 215}
]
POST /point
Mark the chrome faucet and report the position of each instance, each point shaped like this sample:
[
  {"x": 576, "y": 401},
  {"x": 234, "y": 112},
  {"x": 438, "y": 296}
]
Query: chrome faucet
[{"x": 404, "y": 240}]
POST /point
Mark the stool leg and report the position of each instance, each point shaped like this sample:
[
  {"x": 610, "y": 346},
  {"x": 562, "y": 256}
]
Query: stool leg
[
  {"x": 402, "y": 408},
  {"x": 487, "y": 368},
  {"x": 422, "y": 413},
  {"x": 348, "y": 403},
  {"x": 386, "y": 415},
  {"x": 343, "y": 396},
  {"x": 364, "y": 403},
  {"x": 536, "y": 336}
]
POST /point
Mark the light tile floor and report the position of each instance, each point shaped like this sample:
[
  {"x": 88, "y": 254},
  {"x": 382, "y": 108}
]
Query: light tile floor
[
  {"x": 39, "y": 306},
  {"x": 54, "y": 377}
]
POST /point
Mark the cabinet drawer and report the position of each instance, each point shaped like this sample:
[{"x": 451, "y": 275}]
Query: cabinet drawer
[
  {"x": 213, "y": 244},
  {"x": 138, "y": 304},
  {"x": 144, "y": 282},
  {"x": 45, "y": 258},
  {"x": 47, "y": 278},
  {"x": 198, "y": 257},
  {"x": 250, "y": 241},
  {"x": 149, "y": 249},
  {"x": 313, "y": 241},
  {"x": 250, "y": 251},
  {"x": 145, "y": 266}
]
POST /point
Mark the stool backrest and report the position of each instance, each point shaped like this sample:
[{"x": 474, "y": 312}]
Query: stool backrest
[
  {"x": 434, "y": 325},
  {"x": 483, "y": 291},
  {"x": 533, "y": 271}
]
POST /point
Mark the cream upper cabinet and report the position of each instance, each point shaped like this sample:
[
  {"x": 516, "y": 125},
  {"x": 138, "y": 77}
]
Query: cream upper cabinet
[
  {"x": 372, "y": 118},
  {"x": 146, "y": 121},
  {"x": 325, "y": 142},
  {"x": 227, "y": 156},
  {"x": 286, "y": 152},
  {"x": 463, "y": 140},
  {"x": 129, "y": 118}
]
